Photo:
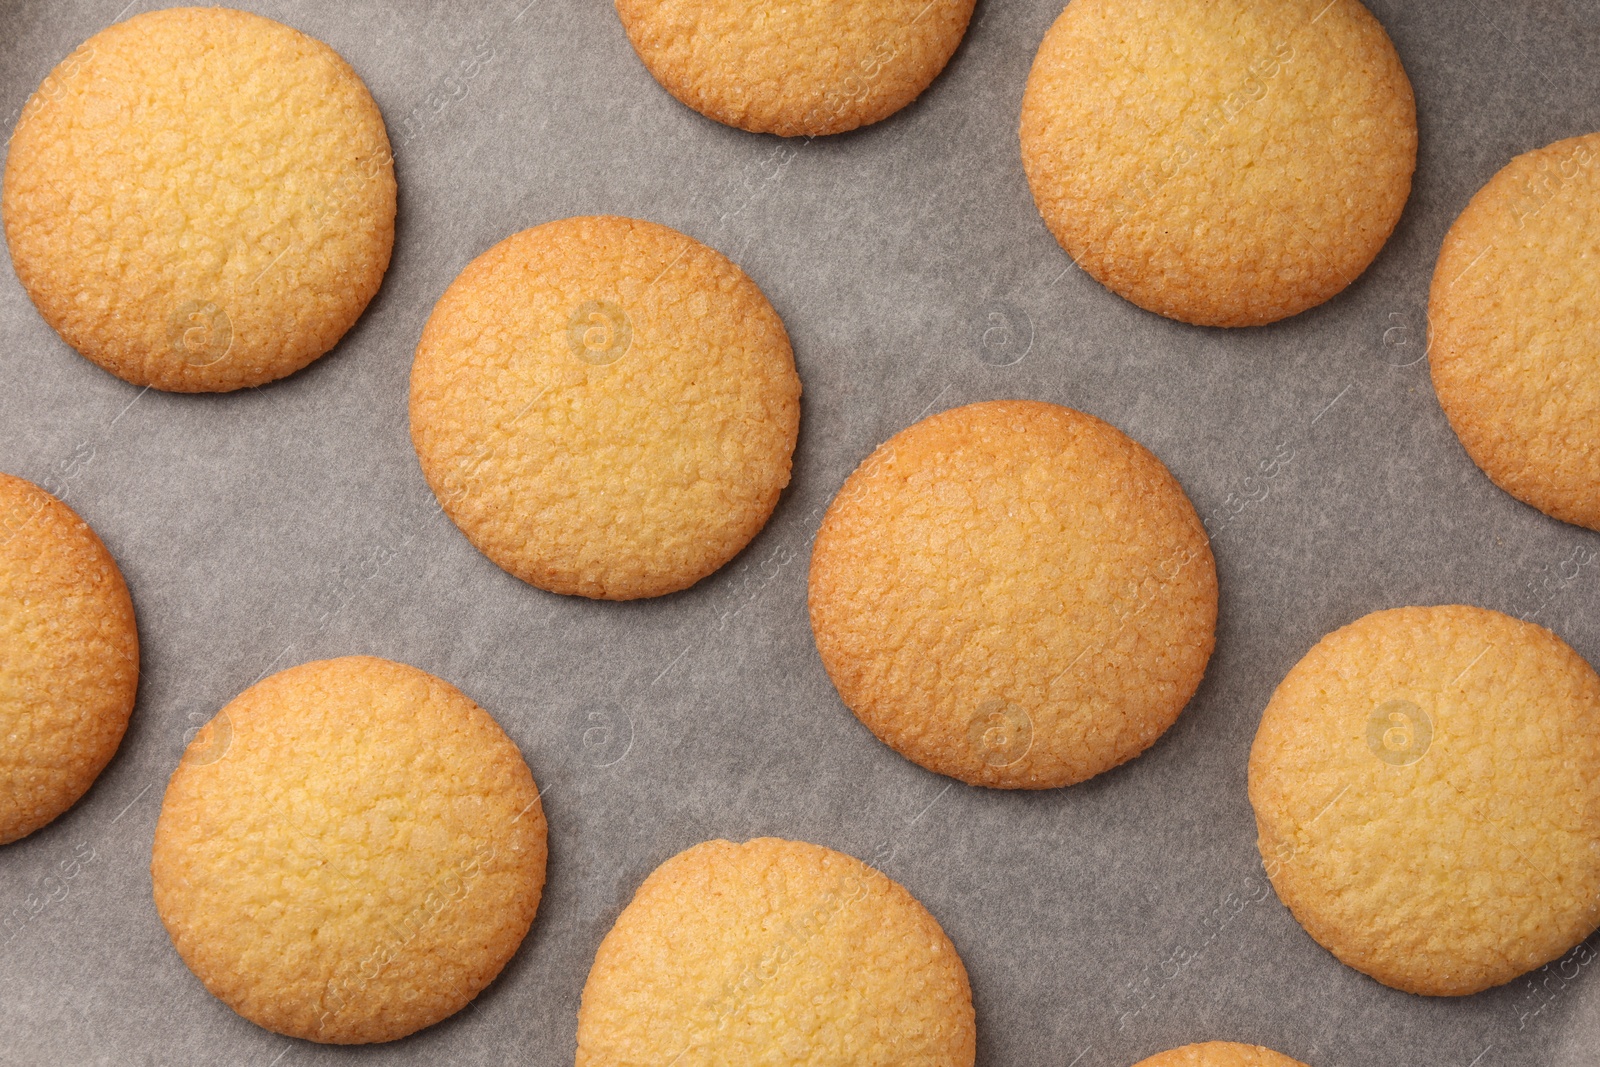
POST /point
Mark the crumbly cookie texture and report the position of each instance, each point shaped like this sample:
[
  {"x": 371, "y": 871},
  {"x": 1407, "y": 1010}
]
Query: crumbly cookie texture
[
  {"x": 1219, "y": 1054},
  {"x": 1513, "y": 352},
  {"x": 200, "y": 199},
  {"x": 69, "y": 657},
  {"x": 775, "y": 952},
  {"x": 800, "y": 68},
  {"x": 1426, "y": 783},
  {"x": 349, "y": 851},
  {"x": 1015, "y": 594},
  {"x": 1220, "y": 162},
  {"x": 605, "y": 407}
]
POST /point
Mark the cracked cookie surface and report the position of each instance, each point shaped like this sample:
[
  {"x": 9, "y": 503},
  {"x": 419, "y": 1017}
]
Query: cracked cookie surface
[
  {"x": 1014, "y": 594},
  {"x": 605, "y": 407},
  {"x": 1513, "y": 350},
  {"x": 69, "y": 657},
  {"x": 777, "y": 953},
  {"x": 1219, "y": 162},
  {"x": 200, "y": 199},
  {"x": 349, "y": 851},
  {"x": 1426, "y": 785},
  {"x": 799, "y": 68}
]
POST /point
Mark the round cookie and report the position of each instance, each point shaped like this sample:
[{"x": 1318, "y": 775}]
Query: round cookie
[
  {"x": 1219, "y": 1054},
  {"x": 605, "y": 407},
  {"x": 775, "y": 952},
  {"x": 349, "y": 851},
  {"x": 69, "y": 657},
  {"x": 1513, "y": 352},
  {"x": 1015, "y": 594},
  {"x": 200, "y": 199},
  {"x": 1426, "y": 783},
  {"x": 801, "y": 68},
  {"x": 1219, "y": 162}
]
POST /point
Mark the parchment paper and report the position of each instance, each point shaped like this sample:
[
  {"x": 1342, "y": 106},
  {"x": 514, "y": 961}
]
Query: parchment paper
[{"x": 1100, "y": 923}]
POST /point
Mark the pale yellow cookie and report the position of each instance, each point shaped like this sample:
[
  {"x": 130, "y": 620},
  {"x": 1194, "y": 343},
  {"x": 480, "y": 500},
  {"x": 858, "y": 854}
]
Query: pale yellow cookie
[
  {"x": 802, "y": 67},
  {"x": 200, "y": 199},
  {"x": 1514, "y": 352},
  {"x": 778, "y": 953},
  {"x": 69, "y": 657},
  {"x": 1219, "y": 1054},
  {"x": 1015, "y": 594},
  {"x": 605, "y": 407},
  {"x": 1220, "y": 162},
  {"x": 1426, "y": 783},
  {"x": 349, "y": 851}
]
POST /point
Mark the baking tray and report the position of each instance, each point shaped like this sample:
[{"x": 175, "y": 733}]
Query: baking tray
[{"x": 1100, "y": 923}]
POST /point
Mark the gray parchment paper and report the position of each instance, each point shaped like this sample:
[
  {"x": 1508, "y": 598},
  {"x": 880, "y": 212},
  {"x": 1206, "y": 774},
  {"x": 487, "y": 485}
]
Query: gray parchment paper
[{"x": 1100, "y": 923}]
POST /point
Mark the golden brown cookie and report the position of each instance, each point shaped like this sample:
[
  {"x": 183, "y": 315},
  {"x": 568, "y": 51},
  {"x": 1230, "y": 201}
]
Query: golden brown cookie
[
  {"x": 200, "y": 199},
  {"x": 349, "y": 851},
  {"x": 775, "y": 952},
  {"x": 1220, "y": 162},
  {"x": 69, "y": 657},
  {"x": 1219, "y": 1054},
  {"x": 1426, "y": 783},
  {"x": 800, "y": 68},
  {"x": 605, "y": 407},
  {"x": 1514, "y": 354},
  {"x": 1015, "y": 594}
]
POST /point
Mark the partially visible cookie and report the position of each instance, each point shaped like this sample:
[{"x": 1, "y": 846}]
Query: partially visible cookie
[
  {"x": 69, "y": 657},
  {"x": 200, "y": 199},
  {"x": 775, "y": 952},
  {"x": 1426, "y": 783},
  {"x": 801, "y": 68},
  {"x": 1015, "y": 594},
  {"x": 1219, "y": 1054},
  {"x": 1220, "y": 162},
  {"x": 349, "y": 851},
  {"x": 605, "y": 407},
  {"x": 1514, "y": 353}
]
